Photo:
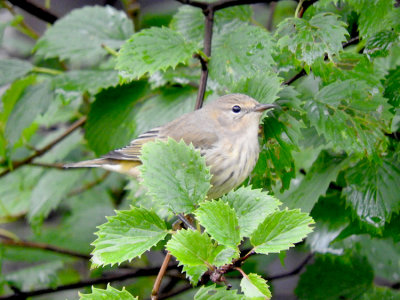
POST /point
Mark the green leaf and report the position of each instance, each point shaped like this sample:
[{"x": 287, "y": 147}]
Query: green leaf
[
  {"x": 36, "y": 277},
  {"x": 381, "y": 293},
  {"x": 349, "y": 114},
  {"x": 255, "y": 287},
  {"x": 220, "y": 221},
  {"x": 127, "y": 235},
  {"x": 217, "y": 293},
  {"x": 305, "y": 193},
  {"x": 240, "y": 52},
  {"x": 139, "y": 55},
  {"x": 34, "y": 101},
  {"x": 380, "y": 43},
  {"x": 280, "y": 231},
  {"x": 251, "y": 207},
  {"x": 12, "y": 69},
  {"x": 348, "y": 277},
  {"x": 114, "y": 108},
  {"x": 86, "y": 80},
  {"x": 193, "y": 248},
  {"x": 79, "y": 35},
  {"x": 194, "y": 273},
  {"x": 310, "y": 39},
  {"x": 109, "y": 293},
  {"x": 51, "y": 188},
  {"x": 392, "y": 91},
  {"x": 175, "y": 174},
  {"x": 262, "y": 86},
  {"x": 370, "y": 190}
]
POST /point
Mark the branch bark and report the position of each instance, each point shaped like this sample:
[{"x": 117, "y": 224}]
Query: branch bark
[
  {"x": 160, "y": 275},
  {"x": 35, "y": 10}
]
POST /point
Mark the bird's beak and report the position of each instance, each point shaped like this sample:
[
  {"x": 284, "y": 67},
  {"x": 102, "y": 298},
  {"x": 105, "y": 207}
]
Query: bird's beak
[{"x": 262, "y": 107}]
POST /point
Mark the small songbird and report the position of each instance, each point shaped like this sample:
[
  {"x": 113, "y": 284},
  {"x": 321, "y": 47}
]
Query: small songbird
[{"x": 225, "y": 131}]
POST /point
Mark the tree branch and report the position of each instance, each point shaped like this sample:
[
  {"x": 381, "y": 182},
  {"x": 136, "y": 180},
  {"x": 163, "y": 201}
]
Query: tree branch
[
  {"x": 160, "y": 275},
  {"x": 294, "y": 271},
  {"x": 40, "y": 152},
  {"x": 43, "y": 246},
  {"x": 35, "y": 10}
]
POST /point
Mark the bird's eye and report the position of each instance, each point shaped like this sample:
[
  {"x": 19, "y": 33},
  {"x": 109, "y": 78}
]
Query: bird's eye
[{"x": 236, "y": 109}]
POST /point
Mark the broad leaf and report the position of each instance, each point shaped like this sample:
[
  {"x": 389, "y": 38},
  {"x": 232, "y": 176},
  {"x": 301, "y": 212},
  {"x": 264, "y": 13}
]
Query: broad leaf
[
  {"x": 175, "y": 174},
  {"x": 114, "y": 108},
  {"x": 127, "y": 235},
  {"x": 220, "y": 221},
  {"x": 217, "y": 293},
  {"x": 139, "y": 55},
  {"x": 255, "y": 287},
  {"x": 381, "y": 293},
  {"x": 370, "y": 190},
  {"x": 280, "y": 231},
  {"x": 109, "y": 293},
  {"x": 79, "y": 36},
  {"x": 240, "y": 52},
  {"x": 310, "y": 39},
  {"x": 12, "y": 69},
  {"x": 380, "y": 43},
  {"x": 251, "y": 207},
  {"x": 351, "y": 274}
]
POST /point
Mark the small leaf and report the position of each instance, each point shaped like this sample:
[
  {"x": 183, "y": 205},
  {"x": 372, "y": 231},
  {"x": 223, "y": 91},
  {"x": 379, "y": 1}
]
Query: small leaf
[
  {"x": 79, "y": 35},
  {"x": 217, "y": 293},
  {"x": 255, "y": 287},
  {"x": 310, "y": 39},
  {"x": 194, "y": 273},
  {"x": 175, "y": 174},
  {"x": 138, "y": 55},
  {"x": 12, "y": 69},
  {"x": 109, "y": 293},
  {"x": 127, "y": 235},
  {"x": 280, "y": 231},
  {"x": 251, "y": 207},
  {"x": 220, "y": 221}
]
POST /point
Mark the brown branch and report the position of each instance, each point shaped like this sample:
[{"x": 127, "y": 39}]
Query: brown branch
[
  {"x": 43, "y": 246},
  {"x": 294, "y": 271},
  {"x": 87, "y": 282},
  {"x": 40, "y": 152},
  {"x": 157, "y": 283},
  {"x": 35, "y": 10}
]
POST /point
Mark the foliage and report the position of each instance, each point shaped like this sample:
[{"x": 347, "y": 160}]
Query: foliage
[{"x": 328, "y": 171}]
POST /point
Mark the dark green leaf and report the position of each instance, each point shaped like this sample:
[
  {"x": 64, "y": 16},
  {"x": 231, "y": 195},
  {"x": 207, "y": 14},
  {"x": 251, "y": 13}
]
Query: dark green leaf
[
  {"x": 79, "y": 36},
  {"x": 127, "y": 235},
  {"x": 175, "y": 174},
  {"x": 392, "y": 90},
  {"x": 139, "y": 55},
  {"x": 12, "y": 69}
]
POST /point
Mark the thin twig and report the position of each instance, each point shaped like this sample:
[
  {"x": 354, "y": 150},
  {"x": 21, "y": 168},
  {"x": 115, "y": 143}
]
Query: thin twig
[
  {"x": 294, "y": 271},
  {"x": 17, "y": 164},
  {"x": 27, "y": 244},
  {"x": 271, "y": 13},
  {"x": 35, "y": 10},
  {"x": 23, "y": 27},
  {"x": 157, "y": 283},
  {"x": 185, "y": 221}
]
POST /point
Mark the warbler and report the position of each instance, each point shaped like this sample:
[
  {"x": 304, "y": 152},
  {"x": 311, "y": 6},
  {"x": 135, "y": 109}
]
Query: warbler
[{"x": 225, "y": 131}]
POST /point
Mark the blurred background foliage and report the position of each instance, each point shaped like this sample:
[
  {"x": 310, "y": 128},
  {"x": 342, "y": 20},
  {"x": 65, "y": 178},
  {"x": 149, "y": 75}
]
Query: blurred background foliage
[{"x": 332, "y": 150}]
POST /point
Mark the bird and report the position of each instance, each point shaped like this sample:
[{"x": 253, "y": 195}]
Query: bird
[{"x": 225, "y": 131}]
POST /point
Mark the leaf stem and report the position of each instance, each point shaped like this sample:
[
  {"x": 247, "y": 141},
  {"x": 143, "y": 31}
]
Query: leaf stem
[
  {"x": 46, "y": 71},
  {"x": 109, "y": 50},
  {"x": 296, "y": 13}
]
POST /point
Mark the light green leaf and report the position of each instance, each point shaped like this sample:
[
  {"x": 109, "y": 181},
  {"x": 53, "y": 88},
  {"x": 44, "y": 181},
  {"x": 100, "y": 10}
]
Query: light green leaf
[
  {"x": 225, "y": 255},
  {"x": 306, "y": 192},
  {"x": 114, "y": 108},
  {"x": 139, "y": 55},
  {"x": 370, "y": 190},
  {"x": 109, "y": 293},
  {"x": 280, "y": 231},
  {"x": 127, "y": 235},
  {"x": 220, "y": 221},
  {"x": 310, "y": 39},
  {"x": 175, "y": 174},
  {"x": 251, "y": 207},
  {"x": 52, "y": 187},
  {"x": 79, "y": 35},
  {"x": 12, "y": 69},
  {"x": 240, "y": 52},
  {"x": 381, "y": 293},
  {"x": 351, "y": 274},
  {"x": 255, "y": 287},
  {"x": 193, "y": 248},
  {"x": 262, "y": 86},
  {"x": 86, "y": 80},
  {"x": 217, "y": 293},
  {"x": 36, "y": 277},
  {"x": 34, "y": 101}
]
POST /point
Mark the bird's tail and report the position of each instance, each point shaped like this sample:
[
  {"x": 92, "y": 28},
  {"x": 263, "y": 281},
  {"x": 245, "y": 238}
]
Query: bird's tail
[{"x": 127, "y": 167}]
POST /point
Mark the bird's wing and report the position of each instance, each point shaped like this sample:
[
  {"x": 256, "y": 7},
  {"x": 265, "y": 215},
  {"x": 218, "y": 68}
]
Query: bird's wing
[{"x": 132, "y": 151}]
